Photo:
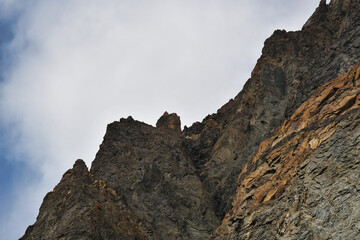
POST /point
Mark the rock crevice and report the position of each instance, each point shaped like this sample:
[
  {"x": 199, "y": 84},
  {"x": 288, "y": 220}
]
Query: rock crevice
[{"x": 279, "y": 161}]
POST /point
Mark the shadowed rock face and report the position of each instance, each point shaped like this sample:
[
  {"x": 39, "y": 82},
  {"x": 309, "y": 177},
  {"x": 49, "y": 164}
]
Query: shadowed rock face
[
  {"x": 279, "y": 158},
  {"x": 80, "y": 207},
  {"x": 150, "y": 168}
]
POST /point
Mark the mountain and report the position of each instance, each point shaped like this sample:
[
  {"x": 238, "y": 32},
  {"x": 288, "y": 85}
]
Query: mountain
[
  {"x": 279, "y": 161},
  {"x": 303, "y": 183}
]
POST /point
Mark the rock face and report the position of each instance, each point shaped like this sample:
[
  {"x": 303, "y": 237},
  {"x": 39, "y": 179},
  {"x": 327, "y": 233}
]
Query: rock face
[
  {"x": 169, "y": 121},
  {"x": 150, "y": 168},
  {"x": 279, "y": 161},
  {"x": 83, "y": 208},
  {"x": 303, "y": 183},
  {"x": 292, "y": 66}
]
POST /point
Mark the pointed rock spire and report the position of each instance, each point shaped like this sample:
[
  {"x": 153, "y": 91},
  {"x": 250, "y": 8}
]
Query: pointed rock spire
[{"x": 169, "y": 121}]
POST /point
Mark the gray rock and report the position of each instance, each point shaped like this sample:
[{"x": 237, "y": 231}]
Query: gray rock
[{"x": 162, "y": 183}]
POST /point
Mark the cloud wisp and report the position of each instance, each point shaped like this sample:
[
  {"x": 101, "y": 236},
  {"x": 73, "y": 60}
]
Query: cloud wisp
[{"x": 78, "y": 65}]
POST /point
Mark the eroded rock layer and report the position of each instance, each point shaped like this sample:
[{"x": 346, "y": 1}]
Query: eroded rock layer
[
  {"x": 303, "y": 183},
  {"x": 150, "y": 168},
  {"x": 292, "y": 66},
  {"x": 279, "y": 158},
  {"x": 83, "y": 208}
]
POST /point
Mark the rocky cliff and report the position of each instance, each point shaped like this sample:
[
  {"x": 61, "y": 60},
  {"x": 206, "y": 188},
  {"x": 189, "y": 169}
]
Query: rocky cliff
[
  {"x": 303, "y": 183},
  {"x": 277, "y": 161},
  {"x": 81, "y": 207}
]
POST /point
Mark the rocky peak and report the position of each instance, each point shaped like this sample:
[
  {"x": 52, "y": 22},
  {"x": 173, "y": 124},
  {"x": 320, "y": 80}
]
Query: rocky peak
[
  {"x": 150, "y": 168},
  {"x": 169, "y": 121},
  {"x": 81, "y": 207},
  {"x": 79, "y": 173},
  {"x": 80, "y": 168},
  {"x": 279, "y": 161},
  {"x": 318, "y": 16},
  {"x": 292, "y": 66}
]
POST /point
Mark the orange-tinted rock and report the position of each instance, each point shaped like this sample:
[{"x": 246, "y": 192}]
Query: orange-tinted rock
[
  {"x": 281, "y": 168},
  {"x": 292, "y": 66},
  {"x": 169, "y": 121},
  {"x": 300, "y": 183}
]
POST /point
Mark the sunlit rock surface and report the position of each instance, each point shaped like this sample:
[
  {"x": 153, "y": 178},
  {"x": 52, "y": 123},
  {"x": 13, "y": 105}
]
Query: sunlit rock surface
[
  {"x": 303, "y": 183},
  {"x": 279, "y": 161}
]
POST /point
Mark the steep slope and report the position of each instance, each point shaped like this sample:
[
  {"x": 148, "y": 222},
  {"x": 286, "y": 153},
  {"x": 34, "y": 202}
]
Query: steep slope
[
  {"x": 150, "y": 168},
  {"x": 292, "y": 66},
  {"x": 163, "y": 183},
  {"x": 83, "y": 208},
  {"x": 304, "y": 181}
]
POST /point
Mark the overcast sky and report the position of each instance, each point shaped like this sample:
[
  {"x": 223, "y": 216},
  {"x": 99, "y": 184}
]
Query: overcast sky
[{"x": 70, "y": 67}]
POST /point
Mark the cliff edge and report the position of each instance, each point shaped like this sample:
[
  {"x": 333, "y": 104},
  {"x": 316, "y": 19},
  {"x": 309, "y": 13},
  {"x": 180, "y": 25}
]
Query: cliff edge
[{"x": 279, "y": 161}]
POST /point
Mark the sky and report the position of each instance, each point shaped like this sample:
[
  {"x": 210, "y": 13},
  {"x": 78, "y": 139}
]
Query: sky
[{"x": 70, "y": 67}]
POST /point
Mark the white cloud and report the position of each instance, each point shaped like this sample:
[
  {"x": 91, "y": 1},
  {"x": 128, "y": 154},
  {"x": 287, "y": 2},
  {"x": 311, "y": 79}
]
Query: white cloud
[{"x": 85, "y": 63}]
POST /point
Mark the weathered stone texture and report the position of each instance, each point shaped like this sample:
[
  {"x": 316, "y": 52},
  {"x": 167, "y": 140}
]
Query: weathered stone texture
[
  {"x": 150, "y": 168},
  {"x": 292, "y": 66},
  {"x": 303, "y": 182},
  {"x": 83, "y": 208},
  {"x": 279, "y": 161}
]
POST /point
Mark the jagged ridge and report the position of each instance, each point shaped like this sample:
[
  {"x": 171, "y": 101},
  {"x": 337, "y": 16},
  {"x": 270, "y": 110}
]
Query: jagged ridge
[
  {"x": 81, "y": 207},
  {"x": 292, "y": 66},
  {"x": 179, "y": 185}
]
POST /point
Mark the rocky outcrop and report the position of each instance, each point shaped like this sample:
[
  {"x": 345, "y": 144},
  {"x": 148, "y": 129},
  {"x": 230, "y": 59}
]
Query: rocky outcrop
[
  {"x": 150, "y": 168},
  {"x": 169, "y": 121},
  {"x": 303, "y": 183},
  {"x": 279, "y": 158},
  {"x": 83, "y": 208},
  {"x": 292, "y": 66}
]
